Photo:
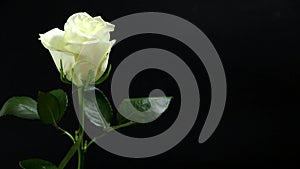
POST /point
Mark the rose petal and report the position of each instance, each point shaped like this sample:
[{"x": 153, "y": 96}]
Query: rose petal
[
  {"x": 68, "y": 61},
  {"x": 97, "y": 54},
  {"x": 104, "y": 34},
  {"x": 53, "y": 39},
  {"x": 81, "y": 72},
  {"x": 103, "y": 64},
  {"x": 76, "y": 19}
]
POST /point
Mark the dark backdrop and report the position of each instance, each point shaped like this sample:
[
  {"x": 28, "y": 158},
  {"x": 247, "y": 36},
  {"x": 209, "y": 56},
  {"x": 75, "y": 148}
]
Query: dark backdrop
[{"x": 258, "y": 43}]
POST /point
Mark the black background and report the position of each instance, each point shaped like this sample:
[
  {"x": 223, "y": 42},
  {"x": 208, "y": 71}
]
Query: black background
[{"x": 258, "y": 43}]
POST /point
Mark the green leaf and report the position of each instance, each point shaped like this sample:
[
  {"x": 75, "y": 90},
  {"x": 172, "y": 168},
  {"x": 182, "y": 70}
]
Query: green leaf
[
  {"x": 97, "y": 107},
  {"x": 48, "y": 108},
  {"x": 104, "y": 105},
  {"x": 62, "y": 98},
  {"x": 23, "y": 107},
  {"x": 142, "y": 110},
  {"x": 36, "y": 164}
]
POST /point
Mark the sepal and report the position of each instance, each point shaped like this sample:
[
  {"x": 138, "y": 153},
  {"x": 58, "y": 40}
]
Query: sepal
[{"x": 63, "y": 77}]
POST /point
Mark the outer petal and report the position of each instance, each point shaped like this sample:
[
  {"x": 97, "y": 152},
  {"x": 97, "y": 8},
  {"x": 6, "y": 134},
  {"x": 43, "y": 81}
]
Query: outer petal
[
  {"x": 67, "y": 59},
  {"x": 75, "y": 43},
  {"x": 96, "y": 53},
  {"x": 103, "y": 64},
  {"x": 104, "y": 34},
  {"x": 81, "y": 72},
  {"x": 53, "y": 39}
]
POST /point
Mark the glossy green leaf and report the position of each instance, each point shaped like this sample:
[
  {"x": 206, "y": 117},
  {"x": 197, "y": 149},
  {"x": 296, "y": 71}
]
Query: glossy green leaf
[
  {"x": 97, "y": 107},
  {"x": 23, "y": 107},
  {"x": 104, "y": 105},
  {"x": 36, "y": 164},
  {"x": 48, "y": 108},
  {"x": 142, "y": 110},
  {"x": 62, "y": 98}
]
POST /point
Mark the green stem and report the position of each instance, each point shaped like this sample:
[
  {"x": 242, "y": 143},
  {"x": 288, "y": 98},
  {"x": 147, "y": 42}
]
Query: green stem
[
  {"x": 69, "y": 155},
  {"x": 109, "y": 130},
  {"x": 78, "y": 139},
  {"x": 81, "y": 129},
  {"x": 122, "y": 125},
  {"x": 65, "y": 132}
]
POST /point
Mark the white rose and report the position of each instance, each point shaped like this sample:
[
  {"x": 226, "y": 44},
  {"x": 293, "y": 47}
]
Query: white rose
[{"x": 82, "y": 47}]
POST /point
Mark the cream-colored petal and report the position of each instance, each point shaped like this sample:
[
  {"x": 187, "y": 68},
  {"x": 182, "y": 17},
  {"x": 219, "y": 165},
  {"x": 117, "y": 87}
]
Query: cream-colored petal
[
  {"x": 102, "y": 67},
  {"x": 76, "y": 19},
  {"x": 93, "y": 57},
  {"x": 53, "y": 39},
  {"x": 67, "y": 59},
  {"x": 99, "y": 19},
  {"x": 95, "y": 52},
  {"x": 104, "y": 62},
  {"x": 81, "y": 72},
  {"x": 104, "y": 34},
  {"x": 76, "y": 47}
]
